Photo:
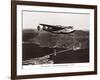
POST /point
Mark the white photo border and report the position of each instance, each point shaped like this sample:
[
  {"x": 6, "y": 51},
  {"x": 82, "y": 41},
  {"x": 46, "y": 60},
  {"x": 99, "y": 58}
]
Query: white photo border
[{"x": 55, "y": 68}]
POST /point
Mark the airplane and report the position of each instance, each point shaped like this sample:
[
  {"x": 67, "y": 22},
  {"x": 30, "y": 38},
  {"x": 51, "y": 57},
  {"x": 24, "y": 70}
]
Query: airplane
[{"x": 56, "y": 28}]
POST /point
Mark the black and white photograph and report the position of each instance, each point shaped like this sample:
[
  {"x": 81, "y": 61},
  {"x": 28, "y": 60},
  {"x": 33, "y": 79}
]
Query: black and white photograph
[{"x": 53, "y": 39}]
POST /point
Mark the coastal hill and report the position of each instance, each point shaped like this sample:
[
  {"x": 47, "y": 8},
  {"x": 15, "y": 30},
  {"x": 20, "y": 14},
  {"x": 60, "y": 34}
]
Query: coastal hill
[{"x": 41, "y": 43}]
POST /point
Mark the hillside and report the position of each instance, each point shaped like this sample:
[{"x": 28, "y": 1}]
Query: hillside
[
  {"x": 39, "y": 44},
  {"x": 47, "y": 39}
]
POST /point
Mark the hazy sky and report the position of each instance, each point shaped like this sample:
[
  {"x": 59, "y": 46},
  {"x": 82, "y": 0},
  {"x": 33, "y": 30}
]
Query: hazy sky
[{"x": 32, "y": 19}]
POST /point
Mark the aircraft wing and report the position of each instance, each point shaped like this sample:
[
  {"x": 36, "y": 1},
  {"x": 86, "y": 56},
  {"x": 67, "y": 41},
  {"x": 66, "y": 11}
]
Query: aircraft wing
[
  {"x": 53, "y": 26},
  {"x": 47, "y": 25}
]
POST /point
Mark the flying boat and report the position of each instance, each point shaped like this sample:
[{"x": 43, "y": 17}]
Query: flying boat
[{"x": 56, "y": 28}]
